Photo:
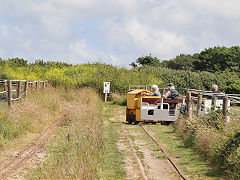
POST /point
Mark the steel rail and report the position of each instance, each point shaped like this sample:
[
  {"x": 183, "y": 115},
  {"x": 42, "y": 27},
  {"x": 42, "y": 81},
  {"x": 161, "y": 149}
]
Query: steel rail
[
  {"x": 33, "y": 147},
  {"x": 140, "y": 166},
  {"x": 164, "y": 152}
]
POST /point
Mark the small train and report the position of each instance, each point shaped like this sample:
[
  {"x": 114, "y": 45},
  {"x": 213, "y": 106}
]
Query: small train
[{"x": 151, "y": 109}]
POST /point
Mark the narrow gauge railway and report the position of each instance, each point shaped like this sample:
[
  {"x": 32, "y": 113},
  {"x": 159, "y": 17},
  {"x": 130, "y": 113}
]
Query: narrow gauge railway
[
  {"x": 26, "y": 154},
  {"x": 164, "y": 152},
  {"x": 138, "y": 161},
  {"x": 150, "y": 109}
]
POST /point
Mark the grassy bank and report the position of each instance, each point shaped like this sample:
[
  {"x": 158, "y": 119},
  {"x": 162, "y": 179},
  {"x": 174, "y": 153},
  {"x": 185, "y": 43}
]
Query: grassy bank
[
  {"x": 30, "y": 115},
  {"x": 93, "y": 75},
  {"x": 112, "y": 166},
  {"x": 76, "y": 150},
  {"x": 214, "y": 140}
]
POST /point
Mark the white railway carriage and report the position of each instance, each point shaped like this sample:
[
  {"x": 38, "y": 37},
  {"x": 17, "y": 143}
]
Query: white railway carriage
[
  {"x": 151, "y": 108},
  {"x": 207, "y": 102}
]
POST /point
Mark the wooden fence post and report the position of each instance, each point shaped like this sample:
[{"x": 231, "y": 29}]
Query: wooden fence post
[
  {"x": 199, "y": 104},
  {"x": 214, "y": 101},
  {"x": 44, "y": 85},
  {"x": 5, "y": 88},
  {"x": 25, "y": 88},
  {"x": 189, "y": 105},
  {"x": 37, "y": 85},
  {"x": 5, "y": 85},
  {"x": 9, "y": 93},
  {"x": 18, "y": 89},
  {"x": 225, "y": 108},
  {"x": 31, "y": 85}
]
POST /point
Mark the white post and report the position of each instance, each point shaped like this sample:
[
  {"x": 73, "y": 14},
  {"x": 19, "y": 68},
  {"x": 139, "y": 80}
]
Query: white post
[
  {"x": 105, "y": 97},
  {"x": 106, "y": 89}
]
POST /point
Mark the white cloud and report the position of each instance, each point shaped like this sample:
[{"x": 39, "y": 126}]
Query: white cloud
[
  {"x": 146, "y": 39},
  {"x": 157, "y": 41},
  {"x": 55, "y": 27},
  {"x": 4, "y": 32},
  {"x": 223, "y": 8},
  {"x": 80, "y": 52},
  {"x": 115, "y": 31}
]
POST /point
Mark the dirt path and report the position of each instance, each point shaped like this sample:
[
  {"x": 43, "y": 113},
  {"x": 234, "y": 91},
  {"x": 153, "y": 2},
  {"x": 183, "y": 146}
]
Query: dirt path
[{"x": 154, "y": 164}]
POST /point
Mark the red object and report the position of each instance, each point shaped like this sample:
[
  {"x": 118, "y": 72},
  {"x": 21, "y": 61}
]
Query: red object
[{"x": 158, "y": 100}]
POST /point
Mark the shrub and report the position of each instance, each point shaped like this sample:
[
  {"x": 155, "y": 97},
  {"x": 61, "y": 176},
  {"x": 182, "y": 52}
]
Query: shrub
[{"x": 216, "y": 141}]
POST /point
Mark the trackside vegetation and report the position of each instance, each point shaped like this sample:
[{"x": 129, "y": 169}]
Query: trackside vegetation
[
  {"x": 82, "y": 145},
  {"x": 214, "y": 140},
  {"x": 84, "y": 75},
  {"x": 78, "y": 149},
  {"x": 93, "y": 75}
]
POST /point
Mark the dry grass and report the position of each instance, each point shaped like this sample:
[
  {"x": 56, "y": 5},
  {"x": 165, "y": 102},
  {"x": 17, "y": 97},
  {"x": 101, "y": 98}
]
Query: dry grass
[
  {"x": 76, "y": 150},
  {"x": 217, "y": 141}
]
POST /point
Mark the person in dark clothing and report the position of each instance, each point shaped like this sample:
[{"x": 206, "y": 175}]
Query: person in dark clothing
[{"x": 172, "y": 93}]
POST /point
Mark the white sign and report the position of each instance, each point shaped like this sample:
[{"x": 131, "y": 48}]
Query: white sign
[{"x": 106, "y": 87}]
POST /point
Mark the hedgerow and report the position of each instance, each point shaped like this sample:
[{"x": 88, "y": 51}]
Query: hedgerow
[
  {"x": 94, "y": 75},
  {"x": 216, "y": 141}
]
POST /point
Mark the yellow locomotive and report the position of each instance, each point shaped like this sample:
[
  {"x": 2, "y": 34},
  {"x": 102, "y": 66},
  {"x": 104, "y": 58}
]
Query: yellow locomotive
[{"x": 153, "y": 109}]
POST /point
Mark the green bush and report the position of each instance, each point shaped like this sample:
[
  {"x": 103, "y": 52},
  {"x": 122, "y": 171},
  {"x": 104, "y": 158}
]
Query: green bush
[
  {"x": 93, "y": 75},
  {"x": 216, "y": 141}
]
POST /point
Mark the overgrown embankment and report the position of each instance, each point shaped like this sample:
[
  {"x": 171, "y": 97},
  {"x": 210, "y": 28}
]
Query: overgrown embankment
[
  {"x": 216, "y": 141},
  {"x": 77, "y": 148},
  {"x": 84, "y": 75},
  {"x": 93, "y": 75}
]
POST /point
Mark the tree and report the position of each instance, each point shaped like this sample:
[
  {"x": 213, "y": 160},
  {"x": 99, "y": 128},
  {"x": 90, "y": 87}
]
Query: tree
[
  {"x": 219, "y": 59},
  {"x": 182, "y": 62},
  {"x": 17, "y": 62},
  {"x": 146, "y": 61}
]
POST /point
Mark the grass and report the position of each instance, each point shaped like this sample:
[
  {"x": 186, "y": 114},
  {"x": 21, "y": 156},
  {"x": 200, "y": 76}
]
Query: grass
[
  {"x": 119, "y": 99},
  {"x": 76, "y": 151},
  {"x": 112, "y": 166},
  {"x": 188, "y": 160},
  {"x": 216, "y": 141},
  {"x": 85, "y": 147}
]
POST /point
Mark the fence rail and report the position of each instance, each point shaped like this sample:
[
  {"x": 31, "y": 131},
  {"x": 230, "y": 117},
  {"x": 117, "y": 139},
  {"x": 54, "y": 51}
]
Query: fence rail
[
  {"x": 21, "y": 88},
  {"x": 226, "y": 111}
]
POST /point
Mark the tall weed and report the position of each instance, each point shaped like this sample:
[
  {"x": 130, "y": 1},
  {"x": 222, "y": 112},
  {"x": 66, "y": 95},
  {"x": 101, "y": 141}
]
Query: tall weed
[{"x": 215, "y": 140}]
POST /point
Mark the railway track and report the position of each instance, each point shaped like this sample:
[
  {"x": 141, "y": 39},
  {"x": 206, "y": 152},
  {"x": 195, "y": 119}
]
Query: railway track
[
  {"x": 26, "y": 154},
  {"x": 164, "y": 152},
  {"x": 140, "y": 166}
]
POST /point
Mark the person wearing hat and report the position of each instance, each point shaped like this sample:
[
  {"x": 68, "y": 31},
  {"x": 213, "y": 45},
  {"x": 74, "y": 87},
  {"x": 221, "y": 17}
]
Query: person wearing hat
[{"x": 171, "y": 93}]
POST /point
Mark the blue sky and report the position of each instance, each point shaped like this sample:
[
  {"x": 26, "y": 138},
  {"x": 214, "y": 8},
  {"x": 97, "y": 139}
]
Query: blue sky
[{"x": 115, "y": 31}]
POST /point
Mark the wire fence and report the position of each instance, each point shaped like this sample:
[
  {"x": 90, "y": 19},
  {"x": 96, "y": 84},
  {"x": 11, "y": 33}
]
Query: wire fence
[
  {"x": 225, "y": 102},
  {"x": 14, "y": 90}
]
